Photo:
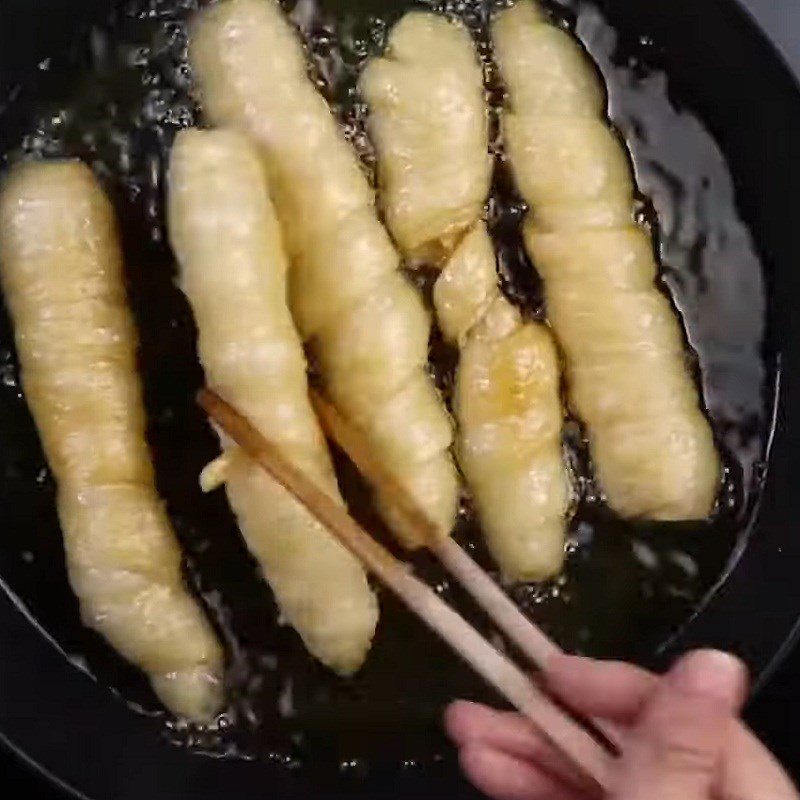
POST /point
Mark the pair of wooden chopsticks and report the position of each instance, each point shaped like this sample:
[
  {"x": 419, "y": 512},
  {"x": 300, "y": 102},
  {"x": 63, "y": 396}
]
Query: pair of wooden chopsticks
[{"x": 589, "y": 757}]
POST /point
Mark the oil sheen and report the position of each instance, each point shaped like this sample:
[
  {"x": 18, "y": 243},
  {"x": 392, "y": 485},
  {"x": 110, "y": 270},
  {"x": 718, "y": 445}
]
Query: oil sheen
[{"x": 116, "y": 100}]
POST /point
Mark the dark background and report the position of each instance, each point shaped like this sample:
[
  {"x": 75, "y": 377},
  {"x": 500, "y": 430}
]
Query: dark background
[
  {"x": 781, "y": 20},
  {"x": 771, "y": 711}
]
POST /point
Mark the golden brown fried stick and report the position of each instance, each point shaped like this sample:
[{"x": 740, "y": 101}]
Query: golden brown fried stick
[
  {"x": 626, "y": 366},
  {"x": 61, "y": 270},
  {"x": 233, "y": 270}
]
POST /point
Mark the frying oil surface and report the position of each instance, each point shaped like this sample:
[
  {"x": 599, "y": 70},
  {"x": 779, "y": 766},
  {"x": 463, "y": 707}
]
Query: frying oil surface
[{"x": 116, "y": 101}]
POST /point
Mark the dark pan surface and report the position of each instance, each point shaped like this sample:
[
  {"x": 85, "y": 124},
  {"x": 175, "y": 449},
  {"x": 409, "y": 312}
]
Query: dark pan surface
[{"x": 703, "y": 136}]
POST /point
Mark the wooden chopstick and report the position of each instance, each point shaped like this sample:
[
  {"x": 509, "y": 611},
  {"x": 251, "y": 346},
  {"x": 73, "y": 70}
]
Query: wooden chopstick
[
  {"x": 525, "y": 634},
  {"x": 588, "y": 757}
]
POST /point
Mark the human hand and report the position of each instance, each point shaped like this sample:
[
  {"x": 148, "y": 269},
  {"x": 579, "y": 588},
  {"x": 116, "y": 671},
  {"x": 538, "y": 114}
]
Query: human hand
[{"x": 681, "y": 735}]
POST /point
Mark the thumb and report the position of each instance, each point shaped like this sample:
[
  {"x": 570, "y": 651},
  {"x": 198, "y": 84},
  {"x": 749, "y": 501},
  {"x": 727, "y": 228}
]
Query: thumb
[{"x": 674, "y": 750}]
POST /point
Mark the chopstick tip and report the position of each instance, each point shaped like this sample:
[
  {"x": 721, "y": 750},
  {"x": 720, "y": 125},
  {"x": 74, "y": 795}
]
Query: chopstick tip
[{"x": 205, "y": 398}]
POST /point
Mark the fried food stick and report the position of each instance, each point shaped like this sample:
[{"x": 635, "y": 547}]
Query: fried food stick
[
  {"x": 61, "y": 270},
  {"x": 364, "y": 323},
  {"x": 428, "y": 119},
  {"x": 627, "y": 374},
  {"x": 233, "y": 270}
]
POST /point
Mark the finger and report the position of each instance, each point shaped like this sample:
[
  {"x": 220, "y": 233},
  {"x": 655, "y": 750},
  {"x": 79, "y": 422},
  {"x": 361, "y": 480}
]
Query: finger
[
  {"x": 471, "y": 724},
  {"x": 610, "y": 689},
  {"x": 617, "y": 690},
  {"x": 503, "y": 777},
  {"x": 677, "y": 745},
  {"x": 751, "y": 772}
]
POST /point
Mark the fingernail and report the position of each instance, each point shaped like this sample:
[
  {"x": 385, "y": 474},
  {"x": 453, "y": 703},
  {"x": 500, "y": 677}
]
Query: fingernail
[{"x": 712, "y": 673}]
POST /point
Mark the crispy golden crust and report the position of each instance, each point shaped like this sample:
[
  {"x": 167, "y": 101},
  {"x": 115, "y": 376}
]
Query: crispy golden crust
[
  {"x": 62, "y": 276},
  {"x": 627, "y": 375},
  {"x": 233, "y": 270},
  {"x": 364, "y": 322},
  {"x": 428, "y": 118}
]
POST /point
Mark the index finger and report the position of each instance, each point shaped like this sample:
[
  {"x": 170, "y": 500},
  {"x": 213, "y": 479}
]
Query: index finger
[
  {"x": 612, "y": 690},
  {"x": 618, "y": 691}
]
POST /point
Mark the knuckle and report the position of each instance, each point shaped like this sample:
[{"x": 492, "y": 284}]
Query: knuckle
[
  {"x": 686, "y": 758},
  {"x": 683, "y": 743}
]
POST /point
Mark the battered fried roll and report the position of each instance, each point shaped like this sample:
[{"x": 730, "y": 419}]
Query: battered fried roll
[
  {"x": 627, "y": 372},
  {"x": 61, "y": 270},
  {"x": 428, "y": 119},
  {"x": 233, "y": 270},
  {"x": 365, "y": 324}
]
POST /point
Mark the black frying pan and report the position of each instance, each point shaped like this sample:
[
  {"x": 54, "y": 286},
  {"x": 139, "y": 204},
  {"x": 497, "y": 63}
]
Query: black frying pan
[{"x": 714, "y": 148}]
